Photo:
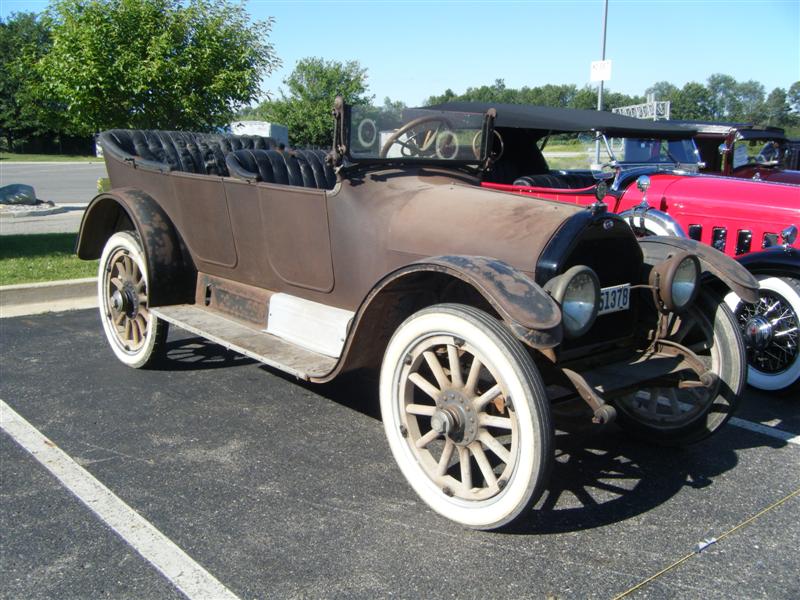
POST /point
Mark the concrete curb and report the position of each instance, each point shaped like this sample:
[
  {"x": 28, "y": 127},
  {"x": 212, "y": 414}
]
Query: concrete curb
[
  {"x": 47, "y": 296},
  {"x": 18, "y": 214}
]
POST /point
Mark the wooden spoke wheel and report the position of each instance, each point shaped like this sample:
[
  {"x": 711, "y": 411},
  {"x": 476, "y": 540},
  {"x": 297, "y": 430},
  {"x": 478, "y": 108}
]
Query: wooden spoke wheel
[
  {"x": 136, "y": 336},
  {"x": 466, "y": 415}
]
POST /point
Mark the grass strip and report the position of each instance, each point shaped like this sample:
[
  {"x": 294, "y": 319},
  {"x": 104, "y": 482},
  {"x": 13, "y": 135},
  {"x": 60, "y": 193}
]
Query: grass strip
[
  {"x": 9, "y": 157},
  {"x": 41, "y": 257}
]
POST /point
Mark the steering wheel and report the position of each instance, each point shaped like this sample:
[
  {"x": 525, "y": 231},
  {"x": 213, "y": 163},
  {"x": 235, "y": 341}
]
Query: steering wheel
[
  {"x": 476, "y": 148},
  {"x": 412, "y": 146}
]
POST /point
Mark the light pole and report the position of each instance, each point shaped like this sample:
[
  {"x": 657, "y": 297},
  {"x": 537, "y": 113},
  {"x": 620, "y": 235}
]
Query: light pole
[{"x": 600, "y": 89}]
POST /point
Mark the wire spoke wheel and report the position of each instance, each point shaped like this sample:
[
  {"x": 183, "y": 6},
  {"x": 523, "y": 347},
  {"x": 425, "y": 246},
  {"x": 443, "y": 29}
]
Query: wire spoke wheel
[
  {"x": 132, "y": 331},
  {"x": 771, "y": 332},
  {"x": 466, "y": 415}
]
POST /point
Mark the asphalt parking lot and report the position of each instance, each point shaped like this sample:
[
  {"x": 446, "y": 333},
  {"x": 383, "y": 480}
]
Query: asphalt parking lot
[
  {"x": 282, "y": 490},
  {"x": 67, "y": 182}
]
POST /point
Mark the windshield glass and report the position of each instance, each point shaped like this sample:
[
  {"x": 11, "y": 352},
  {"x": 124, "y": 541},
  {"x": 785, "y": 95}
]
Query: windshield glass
[
  {"x": 650, "y": 151},
  {"x": 571, "y": 152},
  {"x": 415, "y": 134},
  {"x": 756, "y": 152}
]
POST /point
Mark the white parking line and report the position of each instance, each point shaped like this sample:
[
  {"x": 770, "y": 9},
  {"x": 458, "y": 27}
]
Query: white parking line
[
  {"x": 177, "y": 566},
  {"x": 786, "y": 436}
]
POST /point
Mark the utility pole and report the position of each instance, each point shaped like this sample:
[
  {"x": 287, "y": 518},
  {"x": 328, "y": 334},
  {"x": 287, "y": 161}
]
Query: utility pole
[{"x": 600, "y": 89}]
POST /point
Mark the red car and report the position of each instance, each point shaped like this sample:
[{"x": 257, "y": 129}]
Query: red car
[
  {"x": 744, "y": 150},
  {"x": 651, "y": 173}
]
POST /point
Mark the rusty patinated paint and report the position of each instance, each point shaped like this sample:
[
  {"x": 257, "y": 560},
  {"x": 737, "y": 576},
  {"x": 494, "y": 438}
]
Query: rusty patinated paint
[
  {"x": 515, "y": 295},
  {"x": 657, "y": 248},
  {"x": 168, "y": 266},
  {"x": 237, "y": 300}
]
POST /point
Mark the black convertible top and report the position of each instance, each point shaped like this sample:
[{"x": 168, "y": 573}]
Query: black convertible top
[
  {"x": 567, "y": 120},
  {"x": 746, "y": 131}
]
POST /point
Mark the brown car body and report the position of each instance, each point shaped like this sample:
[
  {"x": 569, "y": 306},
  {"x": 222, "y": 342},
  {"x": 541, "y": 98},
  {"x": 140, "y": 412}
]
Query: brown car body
[{"x": 384, "y": 241}]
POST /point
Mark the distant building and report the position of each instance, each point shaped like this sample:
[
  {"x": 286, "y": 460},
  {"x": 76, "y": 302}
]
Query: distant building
[{"x": 280, "y": 133}]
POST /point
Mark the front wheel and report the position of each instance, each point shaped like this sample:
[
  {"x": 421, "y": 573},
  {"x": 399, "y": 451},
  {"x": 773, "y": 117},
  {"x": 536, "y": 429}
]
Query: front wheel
[
  {"x": 136, "y": 336},
  {"x": 466, "y": 415},
  {"x": 673, "y": 416},
  {"x": 771, "y": 330}
]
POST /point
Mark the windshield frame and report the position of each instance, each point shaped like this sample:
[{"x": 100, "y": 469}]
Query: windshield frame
[{"x": 345, "y": 159}]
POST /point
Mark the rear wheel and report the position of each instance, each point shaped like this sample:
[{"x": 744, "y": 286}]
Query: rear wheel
[
  {"x": 466, "y": 415},
  {"x": 675, "y": 416},
  {"x": 136, "y": 336},
  {"x": 771, "y": 330}
]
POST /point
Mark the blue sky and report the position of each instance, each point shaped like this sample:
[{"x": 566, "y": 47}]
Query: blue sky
[{"x": 413, "y": 49}]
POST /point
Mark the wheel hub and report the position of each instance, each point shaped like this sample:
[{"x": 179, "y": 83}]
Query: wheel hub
[
  {"x": 455, "y": 417},
  {"x": 758, "y": 332},
  {"x": 125, "y": 300}
]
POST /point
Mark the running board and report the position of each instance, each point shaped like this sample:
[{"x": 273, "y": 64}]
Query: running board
[{"x": 251, "y": 342}]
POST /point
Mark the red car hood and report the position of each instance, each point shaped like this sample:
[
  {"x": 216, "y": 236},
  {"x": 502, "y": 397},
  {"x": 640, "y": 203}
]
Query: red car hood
[{"x": 721, "y": 193}]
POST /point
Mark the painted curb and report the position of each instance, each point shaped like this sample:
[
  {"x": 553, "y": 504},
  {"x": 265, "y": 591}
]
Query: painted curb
[{"x": 30, "y": 298}]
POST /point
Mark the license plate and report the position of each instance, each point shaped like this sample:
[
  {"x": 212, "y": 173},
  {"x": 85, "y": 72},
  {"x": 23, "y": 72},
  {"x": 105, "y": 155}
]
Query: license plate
[{"x": 613, "y": 299}]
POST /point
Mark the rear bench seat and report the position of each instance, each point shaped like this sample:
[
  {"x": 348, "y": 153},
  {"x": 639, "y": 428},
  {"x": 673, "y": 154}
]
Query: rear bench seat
[
  {"x": 563, "y": 180},
  {"x": 248, "y": 157},
  {"x": 186, "y": 151},
  {"x": 305, "y": 168}
]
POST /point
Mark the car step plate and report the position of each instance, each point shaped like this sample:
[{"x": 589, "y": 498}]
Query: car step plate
[{"x": 251, "y": 342}]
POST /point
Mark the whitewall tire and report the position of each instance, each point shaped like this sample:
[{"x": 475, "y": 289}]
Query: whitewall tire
[
  {"x": 771, "y": 330},
  {"x": 466, "y": 415},
  {"x": 136, "y": 336}
]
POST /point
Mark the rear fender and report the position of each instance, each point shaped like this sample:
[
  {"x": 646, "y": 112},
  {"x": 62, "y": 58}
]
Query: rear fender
[
  {"x": 171, "y": 274},
  {"x": 712, "y": 262}
]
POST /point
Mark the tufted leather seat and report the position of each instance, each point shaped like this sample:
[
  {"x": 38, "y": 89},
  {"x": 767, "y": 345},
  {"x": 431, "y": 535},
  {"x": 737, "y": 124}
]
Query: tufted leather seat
[
  {"x": 304, "y": 168},
  {"x": 562, "y": 180},
  {"x": 187, "y": 151}
]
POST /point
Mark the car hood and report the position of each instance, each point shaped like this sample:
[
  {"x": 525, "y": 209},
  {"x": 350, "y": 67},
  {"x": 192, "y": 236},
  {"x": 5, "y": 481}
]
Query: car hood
[{"x": 462, "y": 219}]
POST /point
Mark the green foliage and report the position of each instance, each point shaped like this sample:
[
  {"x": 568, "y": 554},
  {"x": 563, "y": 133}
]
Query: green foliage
[
  {"x": 153, "y": 63},
  {"x": 563, "y": 96},
  {"x": 24, "y": 38},
  {"x": 692, "y": 102},
  {"x": 721, "y": 99},
  {"x": 305, "y": 108}
]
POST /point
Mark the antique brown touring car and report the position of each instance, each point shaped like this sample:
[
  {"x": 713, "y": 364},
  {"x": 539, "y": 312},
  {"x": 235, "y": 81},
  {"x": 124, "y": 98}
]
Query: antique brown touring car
[{"x": 480, "y": 308}]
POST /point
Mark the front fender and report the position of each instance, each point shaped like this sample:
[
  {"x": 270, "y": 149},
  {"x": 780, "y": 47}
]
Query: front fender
[
  {"x": 777, "y": 261},
  {"x": 530, "y": 311},
  {"x": 171, "y": 275},
  {"x": 658, "y": 248}
]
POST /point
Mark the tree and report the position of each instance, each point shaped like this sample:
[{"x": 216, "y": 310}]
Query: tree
[
  {"x": 162, "y": 64},
  {"x": 305, "y": 108},
  {"x": 776, "y": 108},
  {"x": 692, "y": 102},
  {"x": 725, "y": 103},
  {"x": 663, "y": 91},
  {"x": 750, "y": 96},
  {"x": 793, "y": 98},
  {"x": 23, "y": 40}
]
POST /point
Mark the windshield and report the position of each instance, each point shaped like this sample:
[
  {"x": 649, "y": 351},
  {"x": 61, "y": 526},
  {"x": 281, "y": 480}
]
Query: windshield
[
  {"x": 570, "y": 152},
  {"x": 756, "y": 152},
  {"x": 415, "y": 134},
  {"x": 650, "y": 151}
]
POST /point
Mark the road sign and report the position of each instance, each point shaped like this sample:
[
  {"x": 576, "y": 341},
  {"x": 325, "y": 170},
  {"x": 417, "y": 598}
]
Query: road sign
[{"x": 600, "y": 71}]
